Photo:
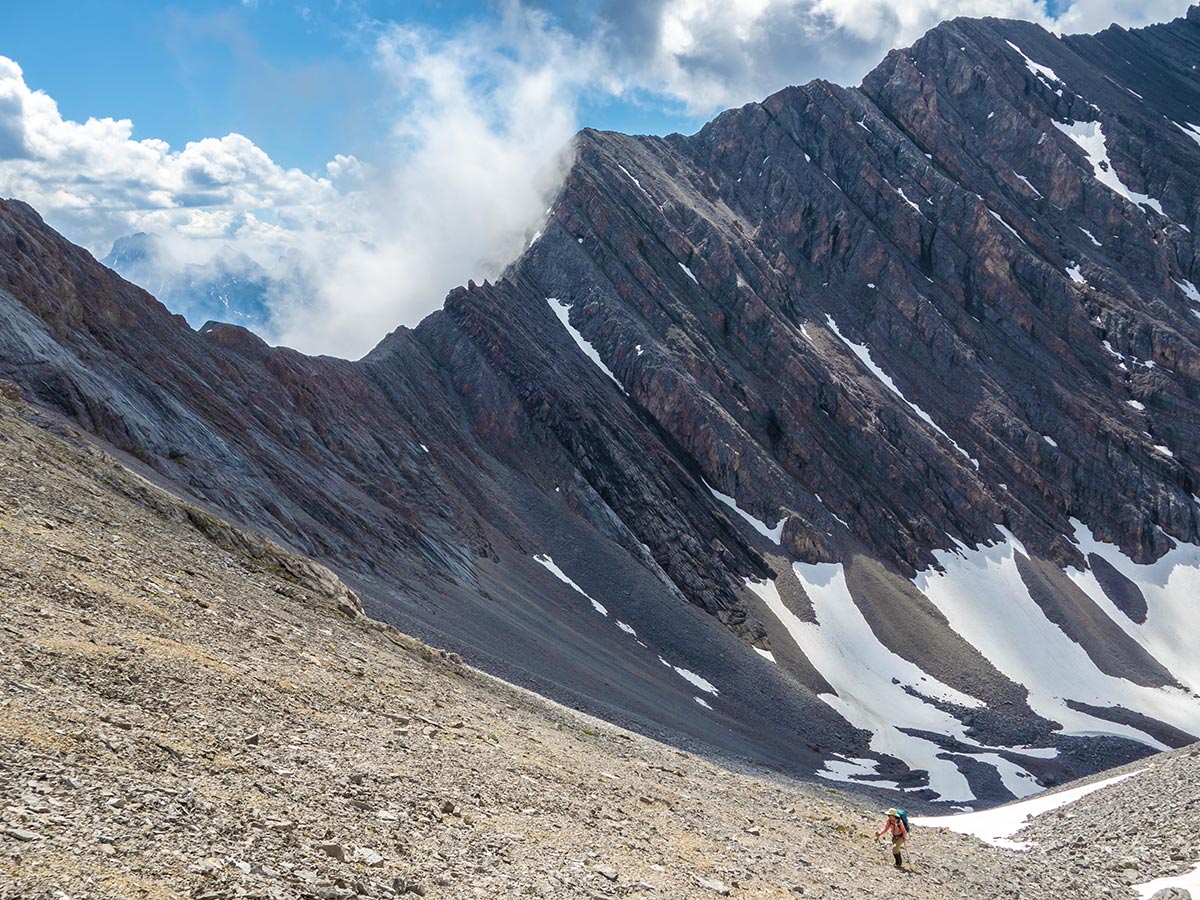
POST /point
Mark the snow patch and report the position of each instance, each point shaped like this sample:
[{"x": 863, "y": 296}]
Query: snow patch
[
  {"x": 689, "y": 274},
  {"x": 1091, "y": 237},
  {"x": 692, "y": 678},
  {"x": 1076, "y": 275},
  {"x": 1148, "y": 364},
  {"x": 765, "y": 654},
  {"x": 855, "y": 771},
  {"x": 864, "y": 356},
  {"x": 985, "y": 600},
  {"x": 1190, "y": 130},
  {"x": 1044, "y": 73},
  {"x": 1188, "y": 881},
  {"x": 904, "y": 197},
  {"x": 1011, "y": 230},
  {"x": 878, "y": 690},
  {"x": 545, "y": 560},
  {"x": 1170, "y": 586},
  {"x": 634, "y": 180},
  {"x": 839, "y": 519},
  {"x": 1027, "y": 182},
  {"x": 562, "y": 309},
  {"x": 775, "y": 535},
  {"x": 996, "y": 826},
  {"x": 1090, "y": 138},
  {"x": 1189, "y": 290}
]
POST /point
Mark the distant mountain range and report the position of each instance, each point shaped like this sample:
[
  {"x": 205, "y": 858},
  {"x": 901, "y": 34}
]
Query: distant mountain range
[
  {"x": 231, "y": 287},
  {"x": 857, "y": 435}
]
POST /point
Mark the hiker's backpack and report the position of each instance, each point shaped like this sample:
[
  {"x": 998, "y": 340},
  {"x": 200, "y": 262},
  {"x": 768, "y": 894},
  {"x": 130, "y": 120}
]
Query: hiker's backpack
[{"x": 902, "y": 815}]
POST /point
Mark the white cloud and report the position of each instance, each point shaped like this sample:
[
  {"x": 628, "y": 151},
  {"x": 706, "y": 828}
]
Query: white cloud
[
  {"x": 484, "y": 120},
  {"x": 710, "y": 54},
  {"x": 95, "y": 182},
  {"x": 478, "y": 143}
]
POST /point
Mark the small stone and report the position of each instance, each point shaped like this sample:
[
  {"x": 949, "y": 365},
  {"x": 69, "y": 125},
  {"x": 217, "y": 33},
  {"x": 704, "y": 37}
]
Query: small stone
[
  {"x": 714, "y": 885},
  {"x": 21, "y": 834},
  {"x": 1172, "y": 893},
  {"x": 337, "y": 851},
  {"x": 608, "y": 872},
  {"x": 367, "y": 856}
]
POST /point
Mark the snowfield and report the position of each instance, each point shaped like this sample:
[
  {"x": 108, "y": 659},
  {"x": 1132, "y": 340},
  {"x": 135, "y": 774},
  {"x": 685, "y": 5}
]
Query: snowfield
[{"x": 996, "y": 826}]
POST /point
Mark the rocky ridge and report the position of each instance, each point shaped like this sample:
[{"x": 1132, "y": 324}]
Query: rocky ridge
[
  {"x": 188, "y": 710},
  {"x": 839, "y": 352}
]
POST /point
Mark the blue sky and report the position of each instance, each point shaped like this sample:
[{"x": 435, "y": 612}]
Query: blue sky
[{"x": 378, "y": 153}]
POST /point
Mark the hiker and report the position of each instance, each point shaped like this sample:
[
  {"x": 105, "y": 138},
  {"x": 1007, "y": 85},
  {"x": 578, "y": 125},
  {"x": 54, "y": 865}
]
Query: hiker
[{"x": 897, "y": 824}]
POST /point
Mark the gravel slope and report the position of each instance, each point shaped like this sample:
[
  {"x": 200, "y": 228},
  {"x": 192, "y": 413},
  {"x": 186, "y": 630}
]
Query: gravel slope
[{"x": 188, "y": 711}]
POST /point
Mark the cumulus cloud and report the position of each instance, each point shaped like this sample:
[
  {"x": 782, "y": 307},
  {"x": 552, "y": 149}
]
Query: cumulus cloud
[
  {"x": 478, "y": 141},
  {"x": 710, "y": 54},
  {"x": 95, "y": 182},
  {"x": 482, "y": 126},
  {"x": 472, "y": 148}
]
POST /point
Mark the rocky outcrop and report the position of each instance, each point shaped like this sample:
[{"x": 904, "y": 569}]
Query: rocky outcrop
[{"x": 822, "y": 351}]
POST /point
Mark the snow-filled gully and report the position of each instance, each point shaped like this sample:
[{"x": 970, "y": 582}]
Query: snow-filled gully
[
  {"x": 983, "y": 596},
  {"x": 881, "y": 692},
  {"x": 985, "y": 601}
]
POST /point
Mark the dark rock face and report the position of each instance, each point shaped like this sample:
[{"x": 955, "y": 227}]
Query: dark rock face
[{"x": 888, "y": 322}]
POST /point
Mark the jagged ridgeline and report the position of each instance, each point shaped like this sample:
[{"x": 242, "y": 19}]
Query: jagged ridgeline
[{"x": 856, "y": 434}]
